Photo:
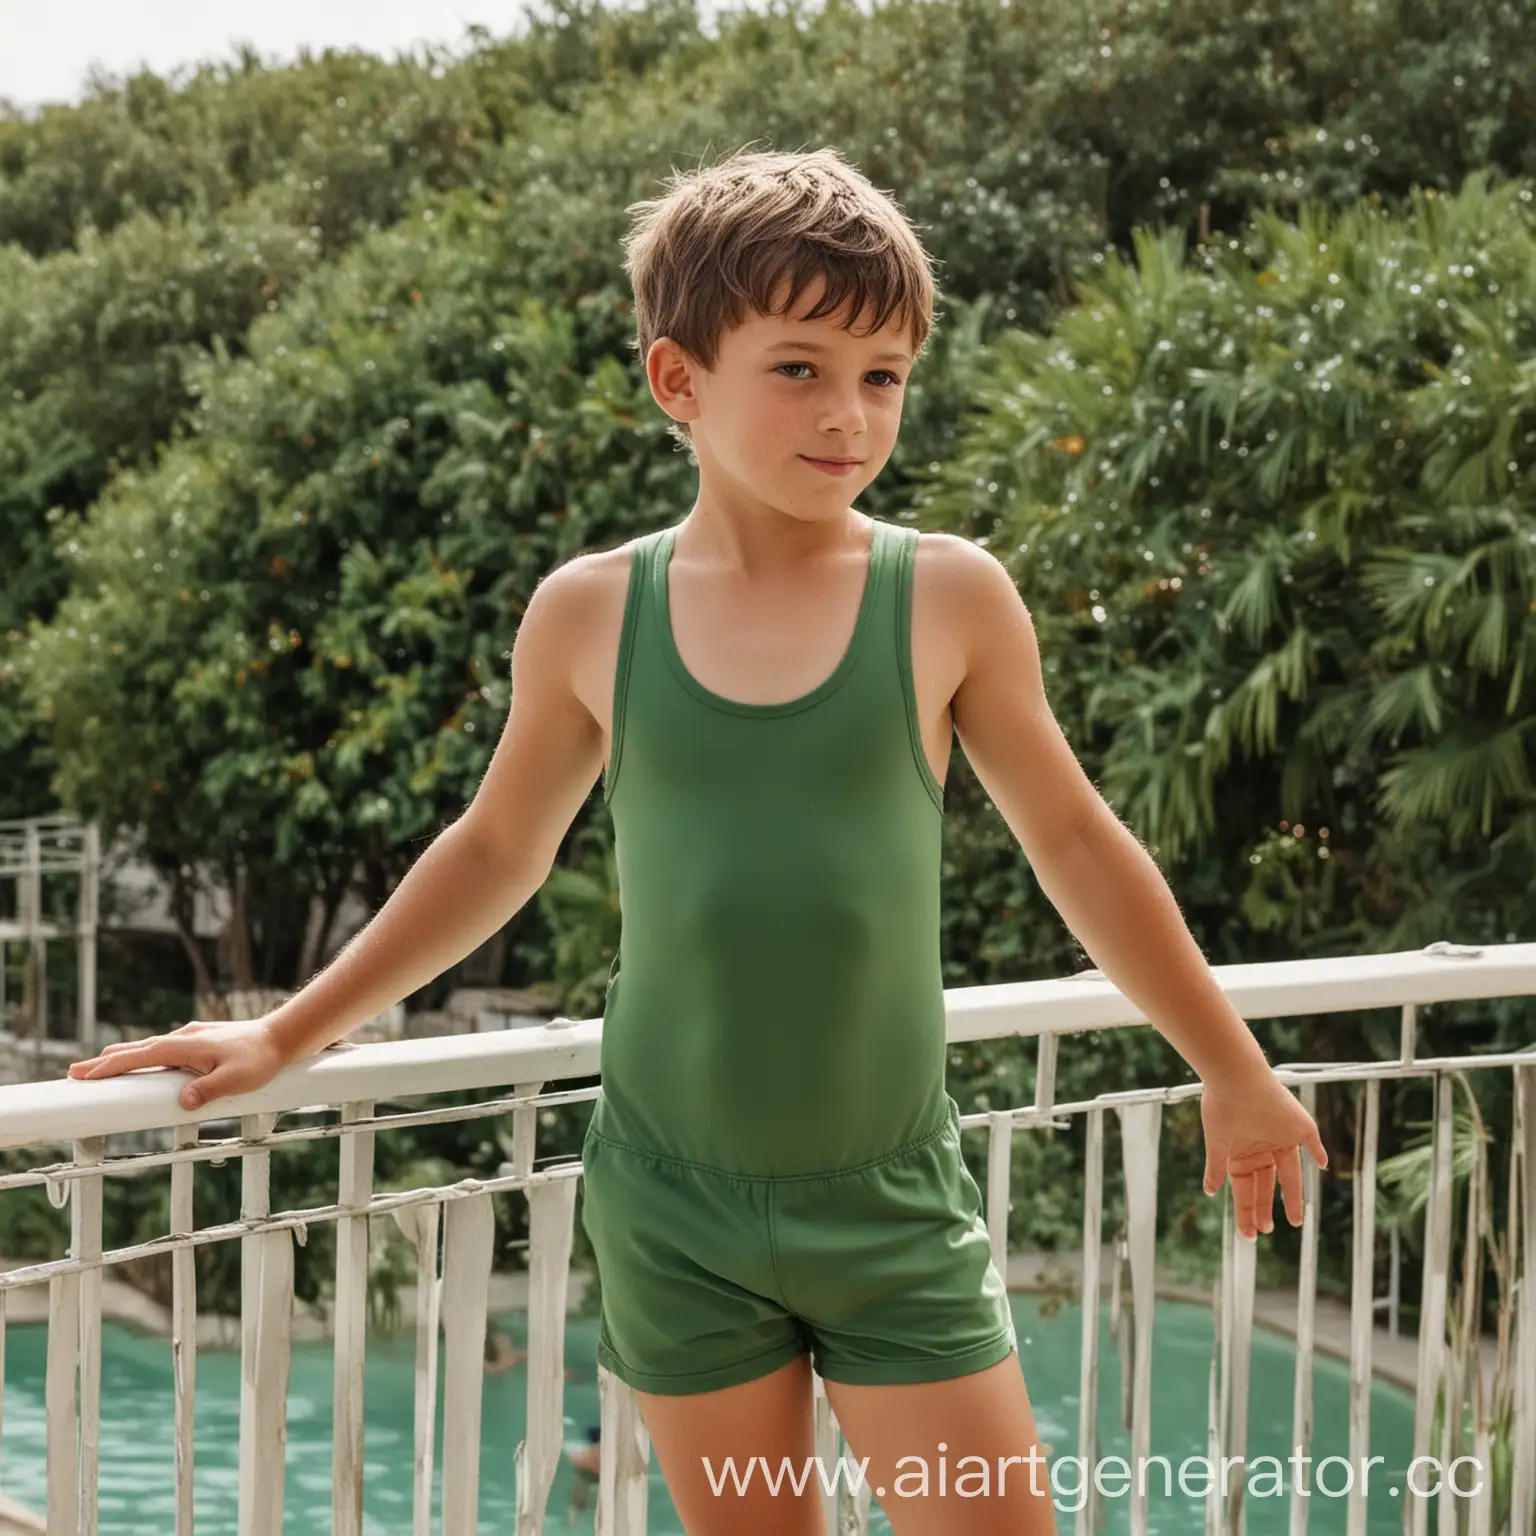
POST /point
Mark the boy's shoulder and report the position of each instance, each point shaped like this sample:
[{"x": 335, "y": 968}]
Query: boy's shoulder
[
  {"x": 585, "y": 597},
  {"x": 581, "y": 585},
  {"x": 956, "y": 577}
]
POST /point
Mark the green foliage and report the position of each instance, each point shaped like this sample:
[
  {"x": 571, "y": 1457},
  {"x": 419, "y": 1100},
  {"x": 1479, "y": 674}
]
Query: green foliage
[{"x": 1273, "y": 512}]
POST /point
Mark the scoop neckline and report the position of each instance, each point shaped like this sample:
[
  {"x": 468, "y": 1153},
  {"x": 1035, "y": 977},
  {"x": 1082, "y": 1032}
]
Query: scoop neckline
[{"x": 828, "y": 685}]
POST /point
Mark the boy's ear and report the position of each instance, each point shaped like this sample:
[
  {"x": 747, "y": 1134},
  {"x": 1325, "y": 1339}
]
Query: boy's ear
[{"x": 669, "y": 371}]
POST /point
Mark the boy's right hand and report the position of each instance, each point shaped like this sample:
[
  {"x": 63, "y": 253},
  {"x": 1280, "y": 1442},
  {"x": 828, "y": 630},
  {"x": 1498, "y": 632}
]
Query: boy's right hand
[{"x": 229, "y": 1056}]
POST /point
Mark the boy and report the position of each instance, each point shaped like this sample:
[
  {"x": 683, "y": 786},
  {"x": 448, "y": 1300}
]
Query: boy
[{"x": 770, "y": 689}]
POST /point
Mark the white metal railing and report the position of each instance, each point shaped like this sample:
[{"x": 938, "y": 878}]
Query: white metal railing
[{"x": 452, "y": 1289}]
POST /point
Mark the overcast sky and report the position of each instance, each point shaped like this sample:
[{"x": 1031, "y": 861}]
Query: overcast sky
[{"x": 48, "y": 46}]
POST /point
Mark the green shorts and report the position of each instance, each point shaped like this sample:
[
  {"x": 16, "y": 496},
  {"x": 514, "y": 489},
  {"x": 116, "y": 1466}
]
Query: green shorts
[{"x": 883, "y": 1272}]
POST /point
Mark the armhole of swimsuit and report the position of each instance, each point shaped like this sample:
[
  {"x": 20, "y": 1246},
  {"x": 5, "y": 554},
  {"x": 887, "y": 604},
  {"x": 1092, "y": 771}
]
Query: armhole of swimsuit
[
  {"x": 637, "y": 562},
  {"x": 906, "y": 564}
]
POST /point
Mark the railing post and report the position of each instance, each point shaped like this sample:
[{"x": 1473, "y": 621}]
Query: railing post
[
  {"x": 1306, "y": 1313},
  {"x": 467, "y": 1244},
  {"x": 354, "y": 1188},
  {"x": 625, "y": 1452},
  {"x": 60, "y": 1399},
  {"x": 1245, "y": 1253},
  {"x": 1437, "y": 1245},
  {"x": 184, "y": 1331},
  {"x": 1523, "y": 1493},
  {"x": 1088, "y": 1375},
  {"x": 1218, "y": 1388},
  {"x": 420, "y": 1224},
  {"x": 1045, "y": 1074},
  {"x": 1408, "y": 1035},
  {"x": 551, "y": 1227},
  {"x": 266, "y": 1320},
  {"x": 1362, "y": 1299},
  {"x": 3, "y": 1297},
  {"x": 85, "y": 1226},
  {"x": 1139, "y": 1128}
]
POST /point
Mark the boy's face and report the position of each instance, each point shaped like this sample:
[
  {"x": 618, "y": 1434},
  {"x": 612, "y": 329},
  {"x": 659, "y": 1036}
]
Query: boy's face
[{"x": 785, "y": 390}]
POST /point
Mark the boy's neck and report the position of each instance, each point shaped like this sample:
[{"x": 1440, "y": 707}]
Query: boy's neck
[{"x": 767, "y": 543}]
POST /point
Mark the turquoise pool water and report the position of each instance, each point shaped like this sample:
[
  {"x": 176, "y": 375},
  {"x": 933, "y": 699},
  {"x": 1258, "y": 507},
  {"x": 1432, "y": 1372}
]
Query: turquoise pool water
[{"x": 137, "y": 1454}]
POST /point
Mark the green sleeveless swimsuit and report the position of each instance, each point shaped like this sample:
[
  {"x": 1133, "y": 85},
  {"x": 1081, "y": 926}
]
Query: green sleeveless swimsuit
[{"x": 774, "y": 1165}]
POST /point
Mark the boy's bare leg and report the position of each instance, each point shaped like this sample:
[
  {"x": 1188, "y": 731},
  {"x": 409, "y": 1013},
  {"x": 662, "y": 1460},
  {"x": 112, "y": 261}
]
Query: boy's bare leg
[
  {"x": 986, "y": 1415},
  {"x": 770, "y": 1418}
]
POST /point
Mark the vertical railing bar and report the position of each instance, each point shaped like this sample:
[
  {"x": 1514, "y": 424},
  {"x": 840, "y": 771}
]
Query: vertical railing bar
[
  {"x": 85, "y": 1227},
  {"x": 1139, "y": 1127},
  {"x": 63, "y": 1503},
  {"x": 470, "y": 1229},
  {"x": 1523, "y": 1492},
  {"x": 1362, "y": 1297},
  {"x": 1408, "y": 1034},
  {"x": 1437, "y": 1221},
  {"x": 1306, "y": 1315},
  {"x": 1216, "y": 1386},
  {"x": 354, "y": 1188},
  {"x": 999, "y": 1185},
  {"x": 255, "y": 1200},
  {"x": 1245, "y": 1254},
  {"x": 274, "y": 1346},
  {"x": 3, "y": 1297},
  {"x": 1045, "y": 1071},
  {"x": 422, "y": 1224},
  {"x": 551, "y": 1228},
  {"x": 623, "y": 1455},
  {"x": 184, "y": 1332},
  {"x": 1088, "y": 1373}
]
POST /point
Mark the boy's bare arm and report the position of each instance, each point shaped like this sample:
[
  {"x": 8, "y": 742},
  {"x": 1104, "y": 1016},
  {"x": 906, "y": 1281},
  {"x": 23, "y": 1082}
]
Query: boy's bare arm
[
  {"x": 1114, "y": 898},
  {"x": 1106, "y": 886},
  {"x": 470, "y": 882},
  {"x": 483, "y": 868}
]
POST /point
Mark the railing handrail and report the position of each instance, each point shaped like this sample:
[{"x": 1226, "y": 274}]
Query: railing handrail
[{"x": 63, "y": 1110}]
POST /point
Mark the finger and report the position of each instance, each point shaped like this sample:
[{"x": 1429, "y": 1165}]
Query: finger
[
  {"x": 1215, "y": 1166},
  {"x": 165, "y": 1051},
  {"x": 1264, "y": 1197},
  {"x": 1316, "y": 1148},
  {"x": 1291, "y": 1190},
  {"x": 108, "y": 1066},
  {"x": 219, "y": 1083},
  {"x": 117, "y": 1046},
  {"x": 1242, "y": 1202}
]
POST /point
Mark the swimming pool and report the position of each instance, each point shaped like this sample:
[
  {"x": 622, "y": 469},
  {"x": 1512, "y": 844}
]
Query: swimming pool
[{"x": 137, "y": 1450}]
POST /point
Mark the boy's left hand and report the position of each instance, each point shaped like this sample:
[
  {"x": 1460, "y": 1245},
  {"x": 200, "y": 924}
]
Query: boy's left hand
[{"x": 1255, "y": 1128}]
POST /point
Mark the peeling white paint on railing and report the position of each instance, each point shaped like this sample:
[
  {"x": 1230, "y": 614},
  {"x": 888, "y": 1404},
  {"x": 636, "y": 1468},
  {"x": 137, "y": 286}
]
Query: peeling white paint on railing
[
  {"x": 518, "y": 1067},
  {"x": 467, "y": 1239},
  {"x": 624, "y": 1457}
]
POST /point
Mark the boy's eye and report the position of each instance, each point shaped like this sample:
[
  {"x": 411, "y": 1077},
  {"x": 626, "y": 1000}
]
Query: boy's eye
[{"x": 886, "y": 372}]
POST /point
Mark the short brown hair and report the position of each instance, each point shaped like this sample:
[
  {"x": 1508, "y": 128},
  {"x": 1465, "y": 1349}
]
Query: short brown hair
[{"x": 725, "y": 237}]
